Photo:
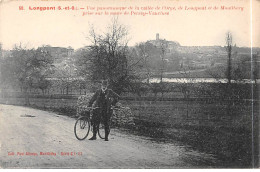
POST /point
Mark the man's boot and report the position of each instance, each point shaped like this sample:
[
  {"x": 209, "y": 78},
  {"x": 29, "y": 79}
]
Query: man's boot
[
  {"x": 106, "y": 134},
  {"x": 94, "y": 137}
]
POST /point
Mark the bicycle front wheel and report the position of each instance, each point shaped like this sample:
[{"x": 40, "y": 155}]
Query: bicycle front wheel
[{"x": 81, "y": 128}]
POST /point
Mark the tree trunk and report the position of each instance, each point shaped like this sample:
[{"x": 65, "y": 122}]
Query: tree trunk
[
  {"x": 229, "y": 68},
  {"x": 187, "y": 107},
  {"x": 67, "y": 90},
  {"x": 27, "y": 101}
]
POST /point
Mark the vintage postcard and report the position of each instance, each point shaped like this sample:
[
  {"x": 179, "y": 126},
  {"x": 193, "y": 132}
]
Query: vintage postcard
[{"x": 128, "y": 84}]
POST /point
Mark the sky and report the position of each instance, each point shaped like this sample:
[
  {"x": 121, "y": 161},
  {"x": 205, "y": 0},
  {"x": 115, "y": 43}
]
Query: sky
[{"x": 64, "y": 28}]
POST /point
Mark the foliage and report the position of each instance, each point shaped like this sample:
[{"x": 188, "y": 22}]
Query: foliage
[
  {"x": 148, "y": 54},
  {"x": 26, "y": 68}
]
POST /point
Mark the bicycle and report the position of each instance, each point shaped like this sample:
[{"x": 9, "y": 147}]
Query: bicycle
[
  {"x": 83, "y": 125},
  {"x": 85, "y": 113}
]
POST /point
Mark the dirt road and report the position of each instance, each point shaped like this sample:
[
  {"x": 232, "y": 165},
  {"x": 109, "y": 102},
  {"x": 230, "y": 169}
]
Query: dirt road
[{"x": 32, "y": 138}]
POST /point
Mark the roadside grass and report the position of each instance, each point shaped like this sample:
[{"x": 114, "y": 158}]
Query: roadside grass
[{"x": 221, "y": 129}]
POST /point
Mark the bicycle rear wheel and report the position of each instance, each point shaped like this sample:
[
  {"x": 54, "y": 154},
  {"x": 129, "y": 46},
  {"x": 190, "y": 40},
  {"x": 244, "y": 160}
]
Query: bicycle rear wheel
[
  {"x": 101, "y": 130},
  {"x": 81, "y": 128}
]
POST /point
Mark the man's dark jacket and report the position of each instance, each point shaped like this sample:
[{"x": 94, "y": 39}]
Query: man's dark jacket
[{"x": 104, "y": 100}]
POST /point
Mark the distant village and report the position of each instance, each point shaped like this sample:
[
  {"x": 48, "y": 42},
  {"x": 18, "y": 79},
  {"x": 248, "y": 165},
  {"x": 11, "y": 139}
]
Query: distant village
[{"x": 175, "y": 57}]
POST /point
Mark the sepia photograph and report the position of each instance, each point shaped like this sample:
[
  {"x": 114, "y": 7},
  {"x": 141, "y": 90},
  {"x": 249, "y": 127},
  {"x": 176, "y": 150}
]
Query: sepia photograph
[{"x": 128, "y": 84}]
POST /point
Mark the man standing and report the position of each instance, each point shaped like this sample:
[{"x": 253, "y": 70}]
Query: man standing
[{"x": 104, "y": 98}]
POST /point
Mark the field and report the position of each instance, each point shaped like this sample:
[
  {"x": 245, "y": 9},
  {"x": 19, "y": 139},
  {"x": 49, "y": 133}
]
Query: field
[{"x": 220, "y": 128}]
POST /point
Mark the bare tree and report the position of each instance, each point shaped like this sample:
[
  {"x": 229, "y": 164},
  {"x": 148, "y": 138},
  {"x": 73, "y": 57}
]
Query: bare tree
[
  {"x": 255, "y": 68},
  {"x": 144, "y": 53},
  {"x": 66, "y": 74},
  {"x": 163, "y": 47},
  {"x": 109, "y": 57},
  {"x": 229, "y": 52}
]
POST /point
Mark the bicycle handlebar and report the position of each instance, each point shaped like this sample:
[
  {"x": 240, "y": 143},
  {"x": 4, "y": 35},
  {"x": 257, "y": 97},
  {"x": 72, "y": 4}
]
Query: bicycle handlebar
[
  {"x": 92, "y": 108},
  {"x": 112, "y": 107}
]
